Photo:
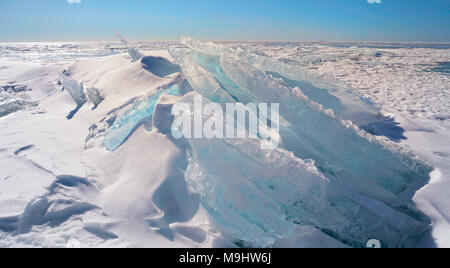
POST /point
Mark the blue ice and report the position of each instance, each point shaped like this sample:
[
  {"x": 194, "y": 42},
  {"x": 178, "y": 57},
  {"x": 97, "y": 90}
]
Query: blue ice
[
  {"x": 140, "y": 112},
  {"x": 211, "y": 63}
]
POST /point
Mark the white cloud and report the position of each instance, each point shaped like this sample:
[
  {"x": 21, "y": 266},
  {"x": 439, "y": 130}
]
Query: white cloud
[
  {"x": 74, "y": 1},
  {"x": 374, "y": 1}
]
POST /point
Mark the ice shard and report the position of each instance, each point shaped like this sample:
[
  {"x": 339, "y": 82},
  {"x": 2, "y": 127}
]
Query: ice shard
[
  {"x": 76, "y": 91},
  {"x": 134, "y": 53},
  {"x": 200, "y": 79},
  {"x": 94, "y": 96}
]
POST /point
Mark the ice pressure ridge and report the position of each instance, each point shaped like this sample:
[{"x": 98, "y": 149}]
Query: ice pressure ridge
[{"x": 327, "y": 173}]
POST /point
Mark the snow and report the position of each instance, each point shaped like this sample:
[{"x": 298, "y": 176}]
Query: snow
[{"x": 87, "y": 158}]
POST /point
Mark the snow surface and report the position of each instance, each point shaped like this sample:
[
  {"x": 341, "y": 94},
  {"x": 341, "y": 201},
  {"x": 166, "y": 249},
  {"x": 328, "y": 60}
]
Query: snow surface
[{"x": 87, "y": 158}]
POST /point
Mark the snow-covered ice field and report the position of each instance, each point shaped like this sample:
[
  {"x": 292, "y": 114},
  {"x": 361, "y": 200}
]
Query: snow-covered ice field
[{"x": 87, "y": 158}]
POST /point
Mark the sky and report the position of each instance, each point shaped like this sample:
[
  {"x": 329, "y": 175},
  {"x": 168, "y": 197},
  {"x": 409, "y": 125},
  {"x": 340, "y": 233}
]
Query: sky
[{"x": 245, "y": 20}]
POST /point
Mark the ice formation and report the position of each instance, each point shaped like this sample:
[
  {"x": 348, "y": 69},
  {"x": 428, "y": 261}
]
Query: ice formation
[
  {"x": 76, "y": 91},
  {"x": 140, "y": 111},
  {"x": 134, "y": 53},
  {"x": 94, "y": 96},
  {"x": 14, "y": 98},
  {"x": 308, "y": 135},
  {"x": 331, "y": 93},
  {"x": 11, "y": 103},
  {"x": 328, "y": 173},
  {"x": 79, "y": 93},
  {"x": 259, "y": 196}
]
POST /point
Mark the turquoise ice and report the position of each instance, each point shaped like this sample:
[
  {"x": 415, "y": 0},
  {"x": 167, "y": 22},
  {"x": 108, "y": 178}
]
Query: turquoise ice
[{"x": 141, "y": 111}]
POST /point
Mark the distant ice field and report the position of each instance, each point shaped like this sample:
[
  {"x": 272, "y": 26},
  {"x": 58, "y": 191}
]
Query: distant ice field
[{"x": 386, "y": 73}]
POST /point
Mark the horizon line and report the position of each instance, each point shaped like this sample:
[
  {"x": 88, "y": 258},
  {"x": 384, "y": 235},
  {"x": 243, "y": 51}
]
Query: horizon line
[{"x": 229, "y": 41}]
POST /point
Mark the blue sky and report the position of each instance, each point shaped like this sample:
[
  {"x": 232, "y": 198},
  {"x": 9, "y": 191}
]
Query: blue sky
[{"x": 277, "y": 20}]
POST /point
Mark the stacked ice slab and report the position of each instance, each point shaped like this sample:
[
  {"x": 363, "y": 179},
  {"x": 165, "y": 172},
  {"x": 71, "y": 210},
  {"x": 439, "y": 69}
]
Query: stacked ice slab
[
  {"x": 328, "y": 173},
  {"x": 260, "y": 195}
]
